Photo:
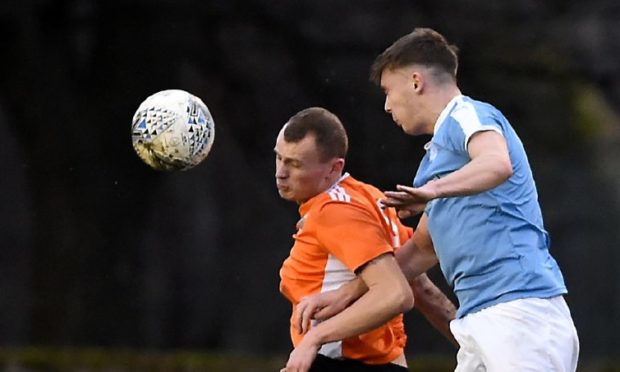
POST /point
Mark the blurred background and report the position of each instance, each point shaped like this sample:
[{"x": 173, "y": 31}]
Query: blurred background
[{"x": 103, "y": 259}]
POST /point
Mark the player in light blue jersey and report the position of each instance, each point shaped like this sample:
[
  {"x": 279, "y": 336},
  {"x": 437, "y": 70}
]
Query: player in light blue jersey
[
  {"x": 481, "y": 218},
  {"x": 480, "y": 221}
]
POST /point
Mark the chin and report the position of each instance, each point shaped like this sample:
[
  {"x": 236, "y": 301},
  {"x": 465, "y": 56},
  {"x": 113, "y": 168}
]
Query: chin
[
  {"x": 286, "y": 196},
  {"x": 410, "y": 131},
  {"x": 415, "y": 131}
]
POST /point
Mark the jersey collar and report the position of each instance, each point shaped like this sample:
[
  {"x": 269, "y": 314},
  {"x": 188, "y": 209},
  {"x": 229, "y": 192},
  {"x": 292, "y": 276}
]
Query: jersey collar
[
  {"x": 305, "y": 206},
  {"x": 445, "y": 112}
]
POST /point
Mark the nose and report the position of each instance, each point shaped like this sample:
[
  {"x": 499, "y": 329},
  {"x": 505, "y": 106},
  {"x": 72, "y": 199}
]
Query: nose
[
  {"x": 281, "y": 171},
  {"x": 386, "y": 105}
]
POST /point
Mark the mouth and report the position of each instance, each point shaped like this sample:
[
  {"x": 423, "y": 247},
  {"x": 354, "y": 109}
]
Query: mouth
[{"x": 281, "y": 187}]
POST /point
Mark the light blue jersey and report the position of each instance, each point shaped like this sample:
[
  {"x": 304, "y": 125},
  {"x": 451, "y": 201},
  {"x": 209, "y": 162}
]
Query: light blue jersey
[{"x": 492, "y": 247}]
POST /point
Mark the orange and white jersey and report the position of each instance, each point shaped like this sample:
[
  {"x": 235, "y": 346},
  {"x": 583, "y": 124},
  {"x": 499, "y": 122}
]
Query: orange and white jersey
[{"x": 340, "y": 230}]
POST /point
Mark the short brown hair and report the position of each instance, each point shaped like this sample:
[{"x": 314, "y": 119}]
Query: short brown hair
[
  {"x": 329, "y": 133},
  {"x": 423, "y": 46}
]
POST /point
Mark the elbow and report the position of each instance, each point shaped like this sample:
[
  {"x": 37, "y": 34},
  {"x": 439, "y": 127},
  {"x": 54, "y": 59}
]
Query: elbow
[
  {"x": 507, "y": 171},
  {"x": 405, "y": 300},
  {"x": 407, "y": 305},
  {"x": 397, "y": 300},
  {"x": 503, "y": 171},
  {"x": 393, "y": 300}
]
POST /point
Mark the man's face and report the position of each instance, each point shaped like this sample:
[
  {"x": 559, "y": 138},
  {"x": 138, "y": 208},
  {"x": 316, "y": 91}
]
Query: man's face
[
  {"x": 300, "y": 174},
  {"x": 403, "y": 99}
]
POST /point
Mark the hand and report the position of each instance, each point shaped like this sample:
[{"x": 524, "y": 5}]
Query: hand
[
  {"x": 320, "y": 306},
  {"x": 409, "y": 201},
  {"x": 303, "y": 355}
]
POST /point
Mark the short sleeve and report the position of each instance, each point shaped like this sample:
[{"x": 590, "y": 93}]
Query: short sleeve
[
  {"x": 471, "y": 122},
  {"x": 352, "y": 233}
]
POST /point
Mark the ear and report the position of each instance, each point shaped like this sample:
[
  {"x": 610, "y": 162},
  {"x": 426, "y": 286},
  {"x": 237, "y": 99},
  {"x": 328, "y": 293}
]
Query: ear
[
  {"x": 337, "y": 166},
  {"x": 417, "y": 81}
]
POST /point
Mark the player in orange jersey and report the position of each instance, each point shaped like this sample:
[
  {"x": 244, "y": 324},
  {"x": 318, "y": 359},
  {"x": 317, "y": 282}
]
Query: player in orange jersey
[{"x": 344, "y": 233}]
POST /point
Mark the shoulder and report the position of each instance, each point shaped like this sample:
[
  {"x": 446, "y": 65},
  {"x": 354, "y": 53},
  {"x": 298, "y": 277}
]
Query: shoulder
[
  {"x": 467, "y": 110},
  {"x": 470, "y": 116},
  {"x": 346, "y": 200},
  {"x": 471, "y": 111},
  {"x": 350, "y": 190}
]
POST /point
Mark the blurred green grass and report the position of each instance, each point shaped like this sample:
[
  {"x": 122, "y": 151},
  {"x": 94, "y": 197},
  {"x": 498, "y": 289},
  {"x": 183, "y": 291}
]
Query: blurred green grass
[
  {"x": 114, "y": 360},
  {"x": 46, "y": 359}
]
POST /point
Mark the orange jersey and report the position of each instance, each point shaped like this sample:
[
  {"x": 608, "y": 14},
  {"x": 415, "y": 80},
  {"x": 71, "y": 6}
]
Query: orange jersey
[{"x": 340, "y": 230}]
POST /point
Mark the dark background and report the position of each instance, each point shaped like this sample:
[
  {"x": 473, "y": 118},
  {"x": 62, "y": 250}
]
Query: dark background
[{"x": 96, "y": 249}]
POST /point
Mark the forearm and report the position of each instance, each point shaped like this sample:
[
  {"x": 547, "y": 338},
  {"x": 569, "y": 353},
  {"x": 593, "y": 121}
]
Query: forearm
[
  {"x": 375, "y": 307},
  {"x": 388, "y": 294},
  {"x": 482, "y": 173},
  {"x": 413, "y": 260},
  {"x": 434, "y": 305},
  {"x": 351, "y": 291}
]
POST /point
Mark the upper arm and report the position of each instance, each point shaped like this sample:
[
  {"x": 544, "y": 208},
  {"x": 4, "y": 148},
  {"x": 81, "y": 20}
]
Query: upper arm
[
  {"x": 422, "y": 238},
  {"x": 488, "y": 142},
  {"x": 382, "y": 269},
  {"x": 417, "y": 254},
  {"x": 382, "y": 274},
  {"x": 491, "y": 146}
]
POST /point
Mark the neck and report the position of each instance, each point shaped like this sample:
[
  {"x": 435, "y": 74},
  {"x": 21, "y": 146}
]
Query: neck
[
  {"x": 441, "y": 98},
  {"x": 329, "y": 183},
  {"x": 333, "y": 180}
]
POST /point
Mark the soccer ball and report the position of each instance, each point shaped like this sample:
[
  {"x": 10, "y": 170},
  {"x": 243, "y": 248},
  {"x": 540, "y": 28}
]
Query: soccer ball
[{"x": 172, "y": 130}]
